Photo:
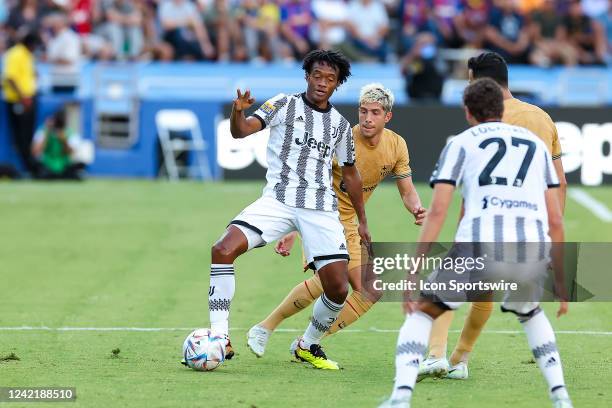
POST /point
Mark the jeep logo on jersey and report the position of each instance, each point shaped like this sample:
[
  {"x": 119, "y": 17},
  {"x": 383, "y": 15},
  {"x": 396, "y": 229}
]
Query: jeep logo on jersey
[{"x": 311, "y": 142}]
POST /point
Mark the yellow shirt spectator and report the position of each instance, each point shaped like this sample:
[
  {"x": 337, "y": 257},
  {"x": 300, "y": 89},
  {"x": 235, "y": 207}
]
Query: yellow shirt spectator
[{"x": 19, "y": 67}]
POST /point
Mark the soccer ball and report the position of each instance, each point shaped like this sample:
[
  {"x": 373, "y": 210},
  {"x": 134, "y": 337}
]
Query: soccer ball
[{"x": 204, "y": 349}]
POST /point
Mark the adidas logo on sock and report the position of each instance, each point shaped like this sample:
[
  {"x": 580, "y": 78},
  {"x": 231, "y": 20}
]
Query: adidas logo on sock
[
  {"x": 299, "y": 119},
  {"x": 551, "y": 362},
  {"x": 342, "y": 246},
  {"x": 413, "y": 363}
]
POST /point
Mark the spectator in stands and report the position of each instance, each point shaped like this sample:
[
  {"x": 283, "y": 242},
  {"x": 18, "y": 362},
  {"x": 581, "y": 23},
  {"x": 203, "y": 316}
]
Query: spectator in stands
[
  {"x": 368, "y": 25},
  {"x": 471, "y": 22},
  {"x": 422, "y": 31},
  {"x": 506, "y": 33},
  {"x": 85, "y": 16},
  {"x": 328, "y": 30},
  {"x": 296, "y": 18},
  {"x": 221, "y": 18},
  {"x": 584, "y": 34},
  {"x": 19, "y": 88},
  {"x": 415, "y": 16},
  {"x": 184, "y": 30},
  {"x": 154, "y": 48},
  {"x": 426, "y": 24},
  {"x": 124, "y": 28},
  {"x": 444, "y": 12},
  {"x": 64, "y": 53},
  {"x": 545, "y": 32},
  {"x": 53, "y": 146},
  {"x": 26, "y": 15},
  {"x": 260, "y": 21}
]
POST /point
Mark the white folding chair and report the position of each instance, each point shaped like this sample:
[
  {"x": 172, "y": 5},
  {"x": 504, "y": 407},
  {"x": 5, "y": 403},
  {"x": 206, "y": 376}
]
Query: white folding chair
[{"x": 182, "y": 120}]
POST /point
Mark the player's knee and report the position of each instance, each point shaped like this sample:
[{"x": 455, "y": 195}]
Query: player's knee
[
  {"x": 337, "y": 292},
  {"x": 222, "y": 251}
]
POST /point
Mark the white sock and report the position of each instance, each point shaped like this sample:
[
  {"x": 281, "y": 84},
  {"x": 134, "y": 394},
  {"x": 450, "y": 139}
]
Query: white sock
[
  {"x": 541, "y": 338},
  {"x": 220, "y": 295},
  {"x": 324, "y": 314},
  {"x": 411, "y": 348}
]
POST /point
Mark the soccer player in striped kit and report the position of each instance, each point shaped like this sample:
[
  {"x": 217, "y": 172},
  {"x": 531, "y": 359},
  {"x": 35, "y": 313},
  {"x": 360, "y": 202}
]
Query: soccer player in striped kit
[
  {"x": 491, "y": 159},
  {"x": 306, "y": 133},
  {"x": 517, "y": 113},
  {"x": 379, "y": 153}
]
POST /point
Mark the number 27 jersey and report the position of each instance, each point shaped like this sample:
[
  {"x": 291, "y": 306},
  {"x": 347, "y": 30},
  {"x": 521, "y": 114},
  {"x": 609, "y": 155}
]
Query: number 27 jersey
[{"x": 503, "y": 171}]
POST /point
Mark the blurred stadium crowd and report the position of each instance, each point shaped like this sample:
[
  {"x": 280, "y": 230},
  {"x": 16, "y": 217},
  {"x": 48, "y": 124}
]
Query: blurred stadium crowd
[{"x": 538, "y": 32}]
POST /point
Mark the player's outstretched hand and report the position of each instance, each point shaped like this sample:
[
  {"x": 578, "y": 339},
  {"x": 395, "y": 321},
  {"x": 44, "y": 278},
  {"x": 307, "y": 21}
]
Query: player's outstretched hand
[
  {"x": 283, "y": 246},
  {"x": 243, "y": 101},
  {"x": 563, "y": 308},
  {"x": 419, "y": 215}
]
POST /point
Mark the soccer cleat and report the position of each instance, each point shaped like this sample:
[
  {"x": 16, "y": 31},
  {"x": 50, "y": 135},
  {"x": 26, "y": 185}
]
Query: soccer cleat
[
  {"x": 257, "y": 338},
  {"x": 316, "y": 357},
  {"x": 458, "y": 371},
  {"x": 229, "y": 350},
  {"x": 183, "y": 362},
  {"x": 433, "y": 367},
  {"x": 396, "y": 403}
]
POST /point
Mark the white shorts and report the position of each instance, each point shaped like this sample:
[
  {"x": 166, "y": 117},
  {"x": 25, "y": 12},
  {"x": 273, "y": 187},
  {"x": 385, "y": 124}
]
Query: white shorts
[{"x": 267, "y": 220}]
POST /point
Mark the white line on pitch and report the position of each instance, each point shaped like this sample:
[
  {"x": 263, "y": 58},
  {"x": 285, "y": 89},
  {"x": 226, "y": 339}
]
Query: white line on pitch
[
  {"x": 596, "y": 207},
  {"x": 185, "y": 329}
]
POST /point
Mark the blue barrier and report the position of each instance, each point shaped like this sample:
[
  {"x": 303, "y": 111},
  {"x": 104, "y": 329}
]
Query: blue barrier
[{"x": 141, "y": 160}]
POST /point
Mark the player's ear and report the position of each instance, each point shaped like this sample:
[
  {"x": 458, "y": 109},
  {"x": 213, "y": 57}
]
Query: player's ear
[
  {"x": 388, "y": 116},
  {"x": 470, "y": 75},
  {"x": 468, "y": 115}
]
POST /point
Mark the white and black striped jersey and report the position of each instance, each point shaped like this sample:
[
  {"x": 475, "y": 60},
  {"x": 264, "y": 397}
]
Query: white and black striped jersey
[
  {"x": 504, "y": 171},
  {"x": 303, "y": 141}
]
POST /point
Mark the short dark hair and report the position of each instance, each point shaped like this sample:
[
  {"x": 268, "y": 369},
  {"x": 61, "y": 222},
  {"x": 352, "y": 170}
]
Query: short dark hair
[
  {"x": 334, "y": 59},
  {"x": 30, "y": 39},
  {"x": 484, "y": 100},
  {"x": 490, "y": 65}
]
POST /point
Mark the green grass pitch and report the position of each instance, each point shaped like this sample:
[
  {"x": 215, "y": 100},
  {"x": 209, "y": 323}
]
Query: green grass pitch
[{"x": 121, "y": 254}]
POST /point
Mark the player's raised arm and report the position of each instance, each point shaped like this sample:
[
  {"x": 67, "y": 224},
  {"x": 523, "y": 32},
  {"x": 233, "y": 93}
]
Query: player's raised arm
[{"x": 241, "y": 126}]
